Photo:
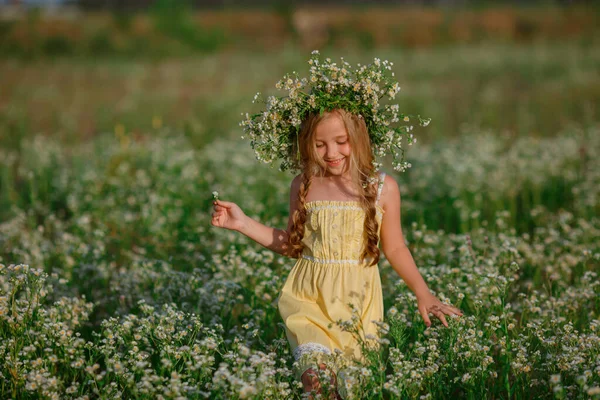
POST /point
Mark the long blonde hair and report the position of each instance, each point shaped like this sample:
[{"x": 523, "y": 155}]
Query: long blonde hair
[{"x": 361, "y": 172}]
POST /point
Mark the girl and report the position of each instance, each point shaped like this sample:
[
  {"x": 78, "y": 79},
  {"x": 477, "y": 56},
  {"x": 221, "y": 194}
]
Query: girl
[{"x": 338, "y": 214}]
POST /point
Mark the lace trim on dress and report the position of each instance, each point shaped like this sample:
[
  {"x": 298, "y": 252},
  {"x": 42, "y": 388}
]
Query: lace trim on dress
[
  {"x": 310, "y": 208},
  {"x": 324, "y": 261},
  {"x": 310, "y": 347},
  {"x": 332, "y": 207}
]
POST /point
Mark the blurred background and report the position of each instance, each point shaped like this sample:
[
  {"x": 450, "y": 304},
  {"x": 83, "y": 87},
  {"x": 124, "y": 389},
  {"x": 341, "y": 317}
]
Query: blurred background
[{"x": 73, "y": 69}]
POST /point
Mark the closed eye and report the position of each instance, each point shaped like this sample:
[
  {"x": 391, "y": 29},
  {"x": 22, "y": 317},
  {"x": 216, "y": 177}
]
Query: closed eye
[{"x": 340, "y": 143}]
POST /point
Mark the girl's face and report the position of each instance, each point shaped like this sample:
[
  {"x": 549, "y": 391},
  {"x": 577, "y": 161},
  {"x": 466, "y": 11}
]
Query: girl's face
[{"x": 333, "y": 145}]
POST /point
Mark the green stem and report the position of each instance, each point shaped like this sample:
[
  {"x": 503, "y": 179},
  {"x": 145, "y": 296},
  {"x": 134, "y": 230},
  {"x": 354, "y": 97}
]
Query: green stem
[{"x": 507, "y": 369}]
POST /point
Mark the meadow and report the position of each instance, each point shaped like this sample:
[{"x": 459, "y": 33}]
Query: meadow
[{"x": 114, "y": 284}]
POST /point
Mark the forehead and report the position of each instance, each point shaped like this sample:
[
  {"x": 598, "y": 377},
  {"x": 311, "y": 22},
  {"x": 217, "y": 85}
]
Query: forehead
[{"x": 330, "y": 128}]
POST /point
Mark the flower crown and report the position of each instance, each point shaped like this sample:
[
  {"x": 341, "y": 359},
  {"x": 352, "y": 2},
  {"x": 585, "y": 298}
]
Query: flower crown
[{"x": 274, "y": 131}]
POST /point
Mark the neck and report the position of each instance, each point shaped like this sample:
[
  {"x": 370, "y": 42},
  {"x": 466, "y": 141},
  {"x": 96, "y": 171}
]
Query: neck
[{"x": 345, "y": 176}]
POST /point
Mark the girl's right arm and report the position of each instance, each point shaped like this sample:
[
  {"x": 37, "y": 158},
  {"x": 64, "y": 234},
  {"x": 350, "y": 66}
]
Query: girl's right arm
[{"x": 230, "y": 216}]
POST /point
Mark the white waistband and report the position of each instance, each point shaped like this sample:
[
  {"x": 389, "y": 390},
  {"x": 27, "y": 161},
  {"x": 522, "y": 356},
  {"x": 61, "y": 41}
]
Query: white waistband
[{"x": 325, "y": 261}]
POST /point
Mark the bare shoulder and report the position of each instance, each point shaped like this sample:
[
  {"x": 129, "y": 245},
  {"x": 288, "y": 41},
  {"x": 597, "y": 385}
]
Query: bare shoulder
[
  {"x": 296, "y": 182},
  {"x": 294, "y": 189},
  {"x": 295, "y": 186},
  {"x": 390, "y": 193}
]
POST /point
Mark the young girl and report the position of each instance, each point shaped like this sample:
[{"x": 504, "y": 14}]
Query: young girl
[{"x": 338, "y": 216}]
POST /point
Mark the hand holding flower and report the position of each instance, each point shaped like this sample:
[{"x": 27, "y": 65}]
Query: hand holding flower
[{"x": 227, "y": 215}]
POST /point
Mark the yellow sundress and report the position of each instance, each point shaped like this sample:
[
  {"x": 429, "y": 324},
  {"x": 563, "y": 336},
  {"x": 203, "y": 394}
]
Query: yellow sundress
[{"x": 325, "y": 279}]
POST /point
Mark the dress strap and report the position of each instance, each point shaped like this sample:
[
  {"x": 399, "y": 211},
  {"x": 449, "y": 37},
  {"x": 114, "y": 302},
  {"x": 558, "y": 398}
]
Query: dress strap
[{"x": 381, "y": 179}]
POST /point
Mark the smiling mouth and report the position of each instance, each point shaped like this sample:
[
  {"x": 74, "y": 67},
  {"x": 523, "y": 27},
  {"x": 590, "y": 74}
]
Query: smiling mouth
[{"x": 335, "y": 162}]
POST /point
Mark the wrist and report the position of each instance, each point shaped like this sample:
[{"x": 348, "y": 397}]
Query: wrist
[
  {"x": 244, "y": 225},
  {"x": 422, "y": 292}
]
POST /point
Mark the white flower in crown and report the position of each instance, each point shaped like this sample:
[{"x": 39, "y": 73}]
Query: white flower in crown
[{"x": 273, "y": 131}]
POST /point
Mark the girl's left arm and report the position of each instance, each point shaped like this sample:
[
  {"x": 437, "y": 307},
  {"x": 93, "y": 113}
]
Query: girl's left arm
[{"x": 400, "y": 258}]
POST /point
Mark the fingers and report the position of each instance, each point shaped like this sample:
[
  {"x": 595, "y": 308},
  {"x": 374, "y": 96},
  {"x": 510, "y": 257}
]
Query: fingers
[
  {"x": 450, "y": 310},
  {"x": 216, "y": 217},
  {"x": 425, "y": 316},
  {"x": 454, "y": 310},
  {"x": 219, "y": 210},
  {"x": 439, "y": 312},
  {"x": 221, "y": 203},
  {"x": 440, "y": 315}
]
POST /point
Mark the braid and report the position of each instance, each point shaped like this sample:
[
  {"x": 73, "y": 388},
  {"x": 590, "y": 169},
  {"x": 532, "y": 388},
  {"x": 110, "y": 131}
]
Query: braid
[
  {"x": 299, "y": 218},
  {"x": 371, "y": 226}
]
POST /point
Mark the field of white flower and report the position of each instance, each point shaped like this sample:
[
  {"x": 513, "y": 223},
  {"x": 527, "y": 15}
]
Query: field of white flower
[{"x": 113, "y": 284}]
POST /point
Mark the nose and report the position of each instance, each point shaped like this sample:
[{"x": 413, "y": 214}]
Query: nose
[{"x": 331, "y": 152}]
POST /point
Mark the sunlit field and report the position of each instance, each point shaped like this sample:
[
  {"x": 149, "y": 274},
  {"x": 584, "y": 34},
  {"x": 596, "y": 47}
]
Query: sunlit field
[
  {"x": 113, "y": 284},
  {"x": 523, "y": 90}
]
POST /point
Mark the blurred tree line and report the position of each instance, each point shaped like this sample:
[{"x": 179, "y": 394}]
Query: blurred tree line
[
  {"x": 133, "y": 5},
  {"x": 141, "y": 4},
  {"x": 160, "y": 28}
]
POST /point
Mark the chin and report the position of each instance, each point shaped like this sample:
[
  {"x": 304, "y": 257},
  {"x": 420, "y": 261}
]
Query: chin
[{"x": 337, "y": 170}]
